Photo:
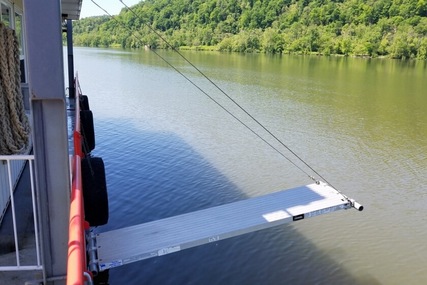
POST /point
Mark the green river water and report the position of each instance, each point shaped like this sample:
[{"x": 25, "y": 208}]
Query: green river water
[{"x": 168, "y": 149}]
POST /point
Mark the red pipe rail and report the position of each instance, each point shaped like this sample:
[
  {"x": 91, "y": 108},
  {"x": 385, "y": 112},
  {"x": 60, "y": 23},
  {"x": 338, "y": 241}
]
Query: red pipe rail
[{"x": 76, "y": 264}]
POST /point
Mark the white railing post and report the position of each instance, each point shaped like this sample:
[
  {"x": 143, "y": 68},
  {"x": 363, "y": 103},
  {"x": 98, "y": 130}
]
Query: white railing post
[
  {"x": 14, "y": 169},
  {"x": 12, "y": 205}
]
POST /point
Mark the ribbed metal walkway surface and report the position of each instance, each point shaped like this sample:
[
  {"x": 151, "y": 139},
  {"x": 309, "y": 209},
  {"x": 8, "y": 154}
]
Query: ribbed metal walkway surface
[{"x": 127, "y": 245}]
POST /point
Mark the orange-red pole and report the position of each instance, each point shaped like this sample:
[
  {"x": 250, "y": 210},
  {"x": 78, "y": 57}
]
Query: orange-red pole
[{"x": 76, "y": 240}]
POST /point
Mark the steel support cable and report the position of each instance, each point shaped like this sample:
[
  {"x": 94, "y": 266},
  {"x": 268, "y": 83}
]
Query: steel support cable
[
  {"x": 210, "y": 97},
  {"x": 223, "y": 92}
]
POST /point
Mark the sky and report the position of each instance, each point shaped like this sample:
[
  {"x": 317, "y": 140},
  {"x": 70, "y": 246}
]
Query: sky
[{"x": 111, "y": 6}]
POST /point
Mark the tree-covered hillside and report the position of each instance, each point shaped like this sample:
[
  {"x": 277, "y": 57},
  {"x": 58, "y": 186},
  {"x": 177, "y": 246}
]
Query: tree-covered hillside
[{"x": 394, "y": 28}]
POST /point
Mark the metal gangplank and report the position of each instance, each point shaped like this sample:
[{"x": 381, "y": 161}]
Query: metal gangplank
[{"x": 165, "y": 236}]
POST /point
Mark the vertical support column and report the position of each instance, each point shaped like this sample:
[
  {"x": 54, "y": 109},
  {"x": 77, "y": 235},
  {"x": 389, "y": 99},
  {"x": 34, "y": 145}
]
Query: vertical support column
[
  {"x": 47, "y": 94},
  {"x": 71, "y": 90}
]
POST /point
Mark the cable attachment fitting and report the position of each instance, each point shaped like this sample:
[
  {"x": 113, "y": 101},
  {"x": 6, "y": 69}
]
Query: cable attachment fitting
[
  {"x": 355, "y": 205},
  {"x": 314, "y": 179}
]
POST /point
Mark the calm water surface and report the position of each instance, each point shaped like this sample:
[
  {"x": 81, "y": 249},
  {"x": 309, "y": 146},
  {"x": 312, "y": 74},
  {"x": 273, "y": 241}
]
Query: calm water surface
[{"x": 169, "y": 150}]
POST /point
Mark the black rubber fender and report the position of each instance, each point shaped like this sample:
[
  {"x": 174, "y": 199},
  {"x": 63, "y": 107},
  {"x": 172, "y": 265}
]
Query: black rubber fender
[
  {"x": 84, "y": 103},
  {"x": 87, "y": 130},
  {"x": 95, "y": 194}
]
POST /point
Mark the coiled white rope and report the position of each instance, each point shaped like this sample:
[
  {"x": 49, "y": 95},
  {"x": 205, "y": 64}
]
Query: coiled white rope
[{"x": 14, "y": 125}]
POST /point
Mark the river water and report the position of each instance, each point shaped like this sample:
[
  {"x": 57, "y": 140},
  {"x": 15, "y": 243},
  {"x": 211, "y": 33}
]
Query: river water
[{"x": 168, "y": 150}]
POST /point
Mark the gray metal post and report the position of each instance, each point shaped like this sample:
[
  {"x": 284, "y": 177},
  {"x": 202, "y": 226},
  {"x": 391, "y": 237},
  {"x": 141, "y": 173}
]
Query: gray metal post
[
  {"x": 70, "y": 58},
  {"x": 47, "y": 94}
]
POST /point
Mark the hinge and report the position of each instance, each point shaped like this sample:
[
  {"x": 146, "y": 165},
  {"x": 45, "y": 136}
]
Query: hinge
[{"x": 92, "y": 252}]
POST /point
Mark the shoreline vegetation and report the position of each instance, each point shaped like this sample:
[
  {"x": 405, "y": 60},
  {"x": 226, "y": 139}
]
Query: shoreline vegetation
[
  {"x": 216, "y": 49},
  {"x": 362, "y": 28}
]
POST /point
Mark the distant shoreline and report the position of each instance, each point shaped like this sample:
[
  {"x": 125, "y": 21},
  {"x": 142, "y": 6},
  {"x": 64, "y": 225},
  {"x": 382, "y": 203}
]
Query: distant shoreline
[{"x": 216, "y": 49}]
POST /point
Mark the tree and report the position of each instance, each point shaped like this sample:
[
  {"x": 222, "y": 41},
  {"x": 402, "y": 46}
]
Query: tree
[
  {"x": 396, "y": 28},
  {"x": 272, "y": 41}
]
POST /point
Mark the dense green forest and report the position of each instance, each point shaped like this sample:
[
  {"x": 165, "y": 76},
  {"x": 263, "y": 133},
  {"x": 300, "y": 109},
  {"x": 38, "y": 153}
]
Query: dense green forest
[{"x": 393, "y": 28}]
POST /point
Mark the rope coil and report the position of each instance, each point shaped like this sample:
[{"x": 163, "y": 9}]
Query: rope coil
[{"x": 14, "y": 125}]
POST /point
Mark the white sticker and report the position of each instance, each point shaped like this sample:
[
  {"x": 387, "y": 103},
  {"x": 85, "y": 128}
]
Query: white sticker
[
  {"x": 275, "y": 216},
  {"x": 168, "y": 250},
  {"x": 114, "y": 263},
  {"x": 213, "y": 239}
]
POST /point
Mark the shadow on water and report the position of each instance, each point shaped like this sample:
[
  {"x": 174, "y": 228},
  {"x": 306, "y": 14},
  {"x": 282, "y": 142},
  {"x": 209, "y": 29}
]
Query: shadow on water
[{"x": 154, "y": 174}]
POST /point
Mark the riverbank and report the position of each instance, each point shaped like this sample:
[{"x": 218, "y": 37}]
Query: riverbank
[{"x": 205, "y": 48}]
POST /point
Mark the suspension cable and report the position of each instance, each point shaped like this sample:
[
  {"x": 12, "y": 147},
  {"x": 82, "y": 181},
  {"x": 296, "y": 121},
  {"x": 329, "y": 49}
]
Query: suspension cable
[{"x": 223, "y": 92}]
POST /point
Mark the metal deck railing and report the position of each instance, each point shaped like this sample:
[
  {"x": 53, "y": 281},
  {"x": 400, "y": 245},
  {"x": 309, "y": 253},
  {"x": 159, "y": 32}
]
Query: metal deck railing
[
  {"x": 16, "y": 167},
  {"x": 11, "y": 170}
]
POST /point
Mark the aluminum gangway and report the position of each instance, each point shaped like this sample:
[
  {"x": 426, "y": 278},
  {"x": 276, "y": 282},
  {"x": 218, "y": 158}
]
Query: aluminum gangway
[{"x": 123, "y": 246}]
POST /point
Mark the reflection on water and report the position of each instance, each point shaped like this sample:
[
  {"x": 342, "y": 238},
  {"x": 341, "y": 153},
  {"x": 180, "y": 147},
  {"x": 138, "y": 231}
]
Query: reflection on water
[{"x": 169, "y": 150}]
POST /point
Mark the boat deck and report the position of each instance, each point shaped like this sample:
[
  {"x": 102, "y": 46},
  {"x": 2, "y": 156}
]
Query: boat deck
[
  {"x": 127, "y": 245},
  {"x": 25, "y": 224}
]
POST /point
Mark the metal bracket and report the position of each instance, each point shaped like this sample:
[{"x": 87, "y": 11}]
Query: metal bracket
[{"x": 92, "y": 252}]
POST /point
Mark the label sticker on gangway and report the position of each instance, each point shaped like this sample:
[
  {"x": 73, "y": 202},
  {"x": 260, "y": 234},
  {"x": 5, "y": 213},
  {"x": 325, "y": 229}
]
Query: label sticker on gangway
[{"x": 168, "y": 250}]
